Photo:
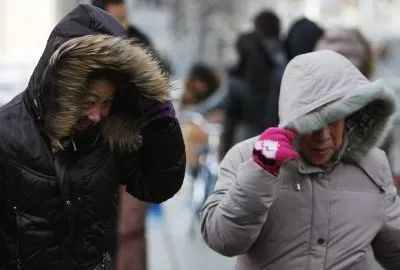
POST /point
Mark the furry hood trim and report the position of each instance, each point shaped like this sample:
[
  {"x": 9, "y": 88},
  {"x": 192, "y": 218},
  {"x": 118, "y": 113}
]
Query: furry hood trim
[{"x": 69, "y": 69}]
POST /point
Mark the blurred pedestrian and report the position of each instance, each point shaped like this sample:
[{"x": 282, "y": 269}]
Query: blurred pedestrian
[
  {"x": 203, "y": 92},
  {"x": 252, "y": 101},
  {"x": 96, "y": 114},
  {"x": 118, "y": 9},
  {"x": 201, "y": 85},
  {"x": 302, "y": 37},
  {"x": 315, "y": 192},
  {"x": 350, "y": 43}
]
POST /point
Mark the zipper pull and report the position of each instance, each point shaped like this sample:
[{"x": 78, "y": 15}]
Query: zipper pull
[{"x": 19, "y": 264}]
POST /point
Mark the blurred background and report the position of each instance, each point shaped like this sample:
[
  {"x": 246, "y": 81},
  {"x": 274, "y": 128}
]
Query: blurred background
[{"x": 200, "y": 44}]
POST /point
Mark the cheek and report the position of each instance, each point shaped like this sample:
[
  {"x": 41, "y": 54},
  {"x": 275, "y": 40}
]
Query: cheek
[
  {"x": 88, "y": 112},
  {"x": 105, "y": 110},
  {"x": 302, "y": 146},
  {"x": 338, "y": 137},
  {"x": 338, "y": 141}
]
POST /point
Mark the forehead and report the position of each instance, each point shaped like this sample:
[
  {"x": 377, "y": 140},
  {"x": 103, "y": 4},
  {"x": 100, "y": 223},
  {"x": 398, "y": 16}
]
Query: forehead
[{"x": 101, "y": 88}]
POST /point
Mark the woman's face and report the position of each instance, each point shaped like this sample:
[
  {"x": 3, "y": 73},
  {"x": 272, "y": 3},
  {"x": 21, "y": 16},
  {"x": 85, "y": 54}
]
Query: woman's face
[
  {"x": 97, "y": 104},
  {"x": 319, "y": 147}
]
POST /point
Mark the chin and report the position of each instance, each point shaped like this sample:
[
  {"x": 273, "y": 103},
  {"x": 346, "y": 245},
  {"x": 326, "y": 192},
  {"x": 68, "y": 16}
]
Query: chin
[{"x": 319, "y": 160}]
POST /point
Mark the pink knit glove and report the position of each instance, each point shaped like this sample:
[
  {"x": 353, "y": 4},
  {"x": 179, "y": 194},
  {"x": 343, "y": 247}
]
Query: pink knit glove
[{"x": 273, "y": 147}]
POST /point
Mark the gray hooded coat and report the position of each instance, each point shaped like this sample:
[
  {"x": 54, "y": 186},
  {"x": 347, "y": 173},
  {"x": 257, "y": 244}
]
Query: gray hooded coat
[{"x": 340, "y": 217}]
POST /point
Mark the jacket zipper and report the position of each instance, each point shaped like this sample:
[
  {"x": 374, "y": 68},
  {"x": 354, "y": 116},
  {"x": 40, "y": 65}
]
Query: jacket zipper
[
  {"x": 19, "y": 264},
  {"x": 18, "y": 249}
]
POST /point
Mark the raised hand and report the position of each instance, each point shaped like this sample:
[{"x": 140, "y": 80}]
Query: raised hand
[{"x": 273, "y": 147}]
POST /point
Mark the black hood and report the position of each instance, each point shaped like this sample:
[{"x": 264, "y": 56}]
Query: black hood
[
  {"x": 86, "y": 40},
  {"x": 81, "y": 21}
]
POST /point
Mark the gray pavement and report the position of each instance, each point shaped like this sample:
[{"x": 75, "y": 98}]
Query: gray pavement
[{"x": 172, "y": 245}]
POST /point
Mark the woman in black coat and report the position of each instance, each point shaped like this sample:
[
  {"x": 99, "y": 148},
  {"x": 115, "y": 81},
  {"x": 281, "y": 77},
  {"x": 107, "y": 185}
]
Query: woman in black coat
[{"x": 96, "y": 114}]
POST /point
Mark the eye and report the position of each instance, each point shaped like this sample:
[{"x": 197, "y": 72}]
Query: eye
[
  {"x": 108, "y": 102},
  {"x": 334, "y": 125},
  {"x": 89, "y": 103}
]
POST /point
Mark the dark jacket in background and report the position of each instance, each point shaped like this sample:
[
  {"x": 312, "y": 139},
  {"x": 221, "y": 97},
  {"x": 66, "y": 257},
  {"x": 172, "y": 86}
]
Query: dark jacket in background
[
  {"x": 252, "y": 101},
  {"x": 57, "y": 209},
  {"x": 302, "y": 37},
  {"x": 134, "y": 32}
]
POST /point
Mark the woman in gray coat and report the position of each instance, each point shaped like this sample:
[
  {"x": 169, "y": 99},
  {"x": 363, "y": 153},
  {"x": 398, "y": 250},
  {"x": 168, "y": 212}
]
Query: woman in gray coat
[{"x": 314, "y": 193}]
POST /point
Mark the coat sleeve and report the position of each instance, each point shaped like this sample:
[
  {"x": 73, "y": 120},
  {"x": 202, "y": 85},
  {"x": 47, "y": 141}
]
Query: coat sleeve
[
  {"x": 232, "y": 217},
  {"x": 156, "y": 172},
  {"x": 386, "y": 245}
]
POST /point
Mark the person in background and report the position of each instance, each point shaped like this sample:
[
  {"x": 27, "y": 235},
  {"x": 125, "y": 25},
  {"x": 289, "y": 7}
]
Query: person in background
[
  {"x": 95, "y": 115},
  {"x": 252, "y": 100},
  {"x": 118, "y": 9},
  {"x": 201, "y": 86},
  {"x": 302, "y": 37},
  {"x": 314, "y": 192},
  {"x": 201, "y": 83},
  {"x": 350, "y": 43},
  {"x": 131, "y": 240}
]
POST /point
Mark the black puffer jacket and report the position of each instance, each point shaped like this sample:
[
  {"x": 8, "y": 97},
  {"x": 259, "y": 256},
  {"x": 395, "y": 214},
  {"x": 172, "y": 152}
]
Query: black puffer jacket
[{"x": 57, "y": 207}]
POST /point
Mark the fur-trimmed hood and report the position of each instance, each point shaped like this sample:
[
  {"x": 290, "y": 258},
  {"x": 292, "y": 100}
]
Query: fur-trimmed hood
[
  {"x": 57, "y": 98},
  {"x": 322, "y": 87}
]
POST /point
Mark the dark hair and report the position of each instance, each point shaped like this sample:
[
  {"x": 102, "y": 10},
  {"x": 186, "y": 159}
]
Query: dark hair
[
  {"x": 103, "y": 3},
  {"x": 207, "y": 75},
  {"x": 267, "y": 23}
]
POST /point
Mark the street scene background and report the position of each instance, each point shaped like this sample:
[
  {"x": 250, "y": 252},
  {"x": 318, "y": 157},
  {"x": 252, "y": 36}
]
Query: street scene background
[{"x": 186, "y": 32}]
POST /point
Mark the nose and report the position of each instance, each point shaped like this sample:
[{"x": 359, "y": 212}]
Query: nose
[
  {"x": 322, "y": 134},
  {"x": 97, "y": 113}
]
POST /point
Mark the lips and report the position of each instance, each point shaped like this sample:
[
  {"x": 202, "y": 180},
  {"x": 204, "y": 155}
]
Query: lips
[
  {"x": 84, "y": 126},
  {"x": 321, "y": 150}
]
